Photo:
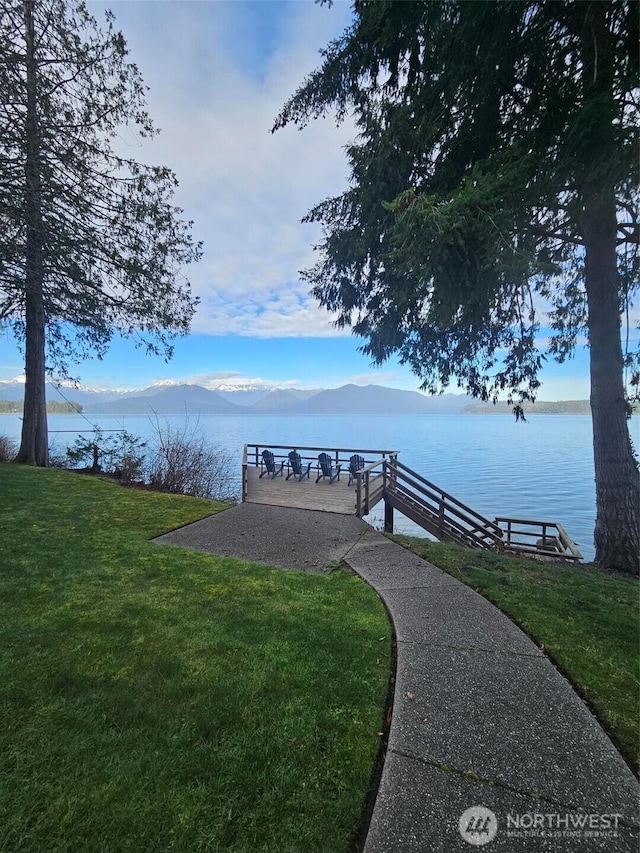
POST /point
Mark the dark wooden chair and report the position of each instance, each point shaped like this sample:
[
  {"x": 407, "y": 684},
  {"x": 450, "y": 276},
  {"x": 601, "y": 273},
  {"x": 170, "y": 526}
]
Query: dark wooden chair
[
  {"x": 269, "y": 466},
  {"x": 356, "y": 463},
  {"x": 296, "y": 467},
  {"x": 326, "y": 470}
]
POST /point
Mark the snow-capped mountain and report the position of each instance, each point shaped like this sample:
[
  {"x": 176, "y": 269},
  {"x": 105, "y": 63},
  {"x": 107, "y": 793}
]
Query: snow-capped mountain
[{"x": 170, "y": 397}]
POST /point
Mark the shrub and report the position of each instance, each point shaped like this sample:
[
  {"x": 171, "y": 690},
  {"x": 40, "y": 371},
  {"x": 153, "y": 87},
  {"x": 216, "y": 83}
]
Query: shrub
[
  {"x": 180, "y": 460},
  {"x": 118, "y": 455},
  {"x": 8, "y": 449},
  {"x": 183, "y": 461}
]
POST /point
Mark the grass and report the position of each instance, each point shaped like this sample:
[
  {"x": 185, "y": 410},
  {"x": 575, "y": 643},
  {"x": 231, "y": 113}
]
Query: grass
[
  {"x": 155, "y": 698},
  {"x": 587, "y": 622}
]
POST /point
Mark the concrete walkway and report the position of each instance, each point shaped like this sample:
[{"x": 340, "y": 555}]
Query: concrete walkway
[{"x": 481, "y": 719}]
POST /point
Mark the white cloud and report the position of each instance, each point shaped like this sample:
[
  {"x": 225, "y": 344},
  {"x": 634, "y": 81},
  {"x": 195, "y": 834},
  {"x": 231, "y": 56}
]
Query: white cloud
[
  {"x": 235, "y": 380},
  {"x": 245, "y": 188},
  {"x": 379, "y": 377}
]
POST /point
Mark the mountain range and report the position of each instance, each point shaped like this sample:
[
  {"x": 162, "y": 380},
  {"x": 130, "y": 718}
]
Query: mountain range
[
  {"x": 169, "y": 399},
  {"x": 349, "y": 399}
]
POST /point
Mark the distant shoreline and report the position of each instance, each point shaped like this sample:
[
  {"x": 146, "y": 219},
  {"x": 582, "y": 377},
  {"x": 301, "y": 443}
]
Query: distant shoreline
[
  {"x": 541, "y": 407},
  {"x": 480, "y": 409},
  {"x": 201, "y": 407},
  {"x": 15, "y": 407}
]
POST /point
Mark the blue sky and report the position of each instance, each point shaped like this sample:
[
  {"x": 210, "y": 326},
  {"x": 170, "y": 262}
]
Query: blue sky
[{"x": 218, "y": 72}]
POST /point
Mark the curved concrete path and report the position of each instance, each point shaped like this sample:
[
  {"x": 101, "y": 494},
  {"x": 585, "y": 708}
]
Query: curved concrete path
[{"x": 481, "y": 718}]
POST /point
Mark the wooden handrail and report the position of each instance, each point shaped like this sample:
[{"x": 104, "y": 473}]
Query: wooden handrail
[
  {"x": 463, "y": 527},
  {"x": 446, "y": 501},
  {"x": 525, "y": 521},
  {"x": 245, "y": 475},
  {"x": 324, "y": 449},
  {"x": 363, "y": 486},
  {"x": 444, "y": 508},
  {"x": 568, "y": 542},
  {"x": 543, "y": 530}
]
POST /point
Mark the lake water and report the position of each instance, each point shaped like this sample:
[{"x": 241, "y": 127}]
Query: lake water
[{"x": 541, "y": 469}]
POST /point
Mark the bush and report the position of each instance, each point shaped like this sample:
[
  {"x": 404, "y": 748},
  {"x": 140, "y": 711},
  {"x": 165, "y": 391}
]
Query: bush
[
  {"x": 183, "y": 461},
  {"x": 8, "y": 449},
  {"x": 58, "y": 456},
  {"x": 116, "y": 455},
  {"x": 180, "y": 460}
]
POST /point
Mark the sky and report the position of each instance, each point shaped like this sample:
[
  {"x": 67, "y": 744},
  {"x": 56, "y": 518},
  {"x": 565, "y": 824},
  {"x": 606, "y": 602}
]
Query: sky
[{"x": 218, "y": 73}]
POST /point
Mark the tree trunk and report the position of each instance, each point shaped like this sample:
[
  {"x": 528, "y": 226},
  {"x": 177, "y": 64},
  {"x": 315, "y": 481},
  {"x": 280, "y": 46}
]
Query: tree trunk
[
  {"x": 617, "y": 531},
  {"x": 34, "y": 449},
  {"x": 34, "y": 444}
]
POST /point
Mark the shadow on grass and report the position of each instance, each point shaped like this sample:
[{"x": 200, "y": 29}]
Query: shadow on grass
[{"x": 157, "y": 698}]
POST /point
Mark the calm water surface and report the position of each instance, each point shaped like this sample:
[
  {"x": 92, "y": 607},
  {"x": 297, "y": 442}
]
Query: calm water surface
[{"x": 542, "y": 469}]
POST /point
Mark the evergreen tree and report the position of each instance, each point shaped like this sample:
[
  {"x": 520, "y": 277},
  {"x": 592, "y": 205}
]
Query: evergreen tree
[
  {"x": 493, "y": 190},
  {"x": 90, "y": 242}
]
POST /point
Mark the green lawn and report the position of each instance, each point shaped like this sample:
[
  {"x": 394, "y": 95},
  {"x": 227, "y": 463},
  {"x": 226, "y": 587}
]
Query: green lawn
[
  {"x": 157, "y": 699},
  {"x": 587, "y": 622}
]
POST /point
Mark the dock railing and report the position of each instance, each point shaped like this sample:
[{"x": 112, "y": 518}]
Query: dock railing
[
  {"x": 438, "y": 512},
  {"x": 370, "y": 486},
  {"x": 542, "y": 538}
]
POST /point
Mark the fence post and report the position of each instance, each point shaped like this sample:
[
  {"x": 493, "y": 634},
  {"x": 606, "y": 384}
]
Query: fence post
[{"x": 388, "y": 517}]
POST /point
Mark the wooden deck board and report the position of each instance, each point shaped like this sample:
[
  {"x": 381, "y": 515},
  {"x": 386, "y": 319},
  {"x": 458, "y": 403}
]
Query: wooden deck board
[{"x": 307, "y": 494}]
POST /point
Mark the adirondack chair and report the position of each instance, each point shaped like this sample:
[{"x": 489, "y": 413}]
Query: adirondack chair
[
  {"x": 356, "y": 463},
  {"x": 269, "y": 465},
  {"x": 296, "y": 467},
  {"x": 326, "y": 470}
]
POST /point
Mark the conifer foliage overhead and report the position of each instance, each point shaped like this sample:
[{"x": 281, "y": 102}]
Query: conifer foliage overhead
[{"x": 491, "y": 221}]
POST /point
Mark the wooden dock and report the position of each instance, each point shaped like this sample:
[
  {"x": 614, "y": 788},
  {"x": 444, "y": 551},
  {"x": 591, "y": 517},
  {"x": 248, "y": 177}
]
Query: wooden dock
[
  {"x": 306, "y": 494},
  {"x": 355, "y": 499},
  {"x": 384, "y": 478}
]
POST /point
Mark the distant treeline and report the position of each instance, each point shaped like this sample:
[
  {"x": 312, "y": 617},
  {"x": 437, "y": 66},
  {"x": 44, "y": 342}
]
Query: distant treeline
[
  {"x": 541, "y": 407},
  {"x": 14, "y": 407}
]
